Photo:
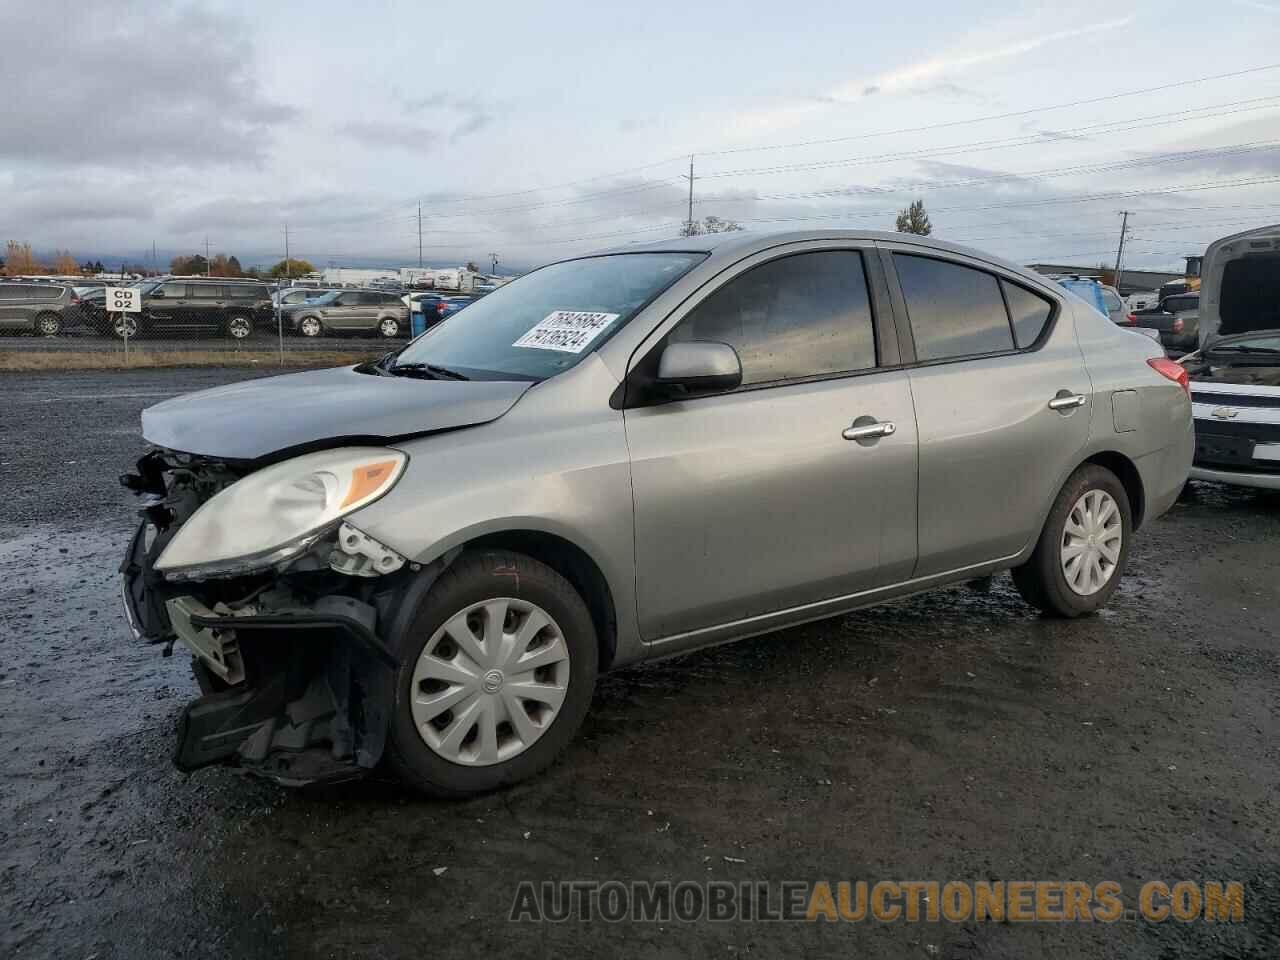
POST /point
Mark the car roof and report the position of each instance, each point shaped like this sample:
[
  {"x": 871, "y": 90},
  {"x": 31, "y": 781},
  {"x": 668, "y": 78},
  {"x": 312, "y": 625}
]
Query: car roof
[{"x": 742, "y": 243}]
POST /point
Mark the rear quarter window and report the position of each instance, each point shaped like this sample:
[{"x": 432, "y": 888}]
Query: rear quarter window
[{"x": 1028, "y": 312}]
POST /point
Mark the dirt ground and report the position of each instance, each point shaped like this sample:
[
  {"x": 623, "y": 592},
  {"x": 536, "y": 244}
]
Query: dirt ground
[{"x": 951, "y": 736}]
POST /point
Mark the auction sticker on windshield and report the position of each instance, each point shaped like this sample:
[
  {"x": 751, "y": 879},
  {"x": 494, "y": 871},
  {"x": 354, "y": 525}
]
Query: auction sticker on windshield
[{"x": 569, "y": 331}]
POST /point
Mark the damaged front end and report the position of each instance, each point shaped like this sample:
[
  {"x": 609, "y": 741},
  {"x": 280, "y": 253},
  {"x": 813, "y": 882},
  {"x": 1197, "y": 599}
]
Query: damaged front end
[{"x": 288, "y": 643}]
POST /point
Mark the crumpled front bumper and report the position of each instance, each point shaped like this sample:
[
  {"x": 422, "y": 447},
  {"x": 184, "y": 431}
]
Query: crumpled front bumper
[{"x": 296, "y": 689}]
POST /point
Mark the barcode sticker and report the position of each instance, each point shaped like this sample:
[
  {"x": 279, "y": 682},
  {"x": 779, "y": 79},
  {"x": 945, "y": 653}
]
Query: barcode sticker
[{"x": 568, "y": 331}]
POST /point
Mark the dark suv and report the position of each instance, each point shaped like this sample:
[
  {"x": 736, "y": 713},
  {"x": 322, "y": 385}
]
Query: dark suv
[
  {"x": 198, "y": 305},
  {"x": 45, "y": 309}
]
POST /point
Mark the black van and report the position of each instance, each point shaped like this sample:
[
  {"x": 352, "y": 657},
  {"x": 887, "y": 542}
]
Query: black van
[{"x": 198, "y": 305}]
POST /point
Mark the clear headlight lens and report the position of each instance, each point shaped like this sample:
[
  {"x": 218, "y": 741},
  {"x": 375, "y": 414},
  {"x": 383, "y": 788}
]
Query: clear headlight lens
[{"x": 278, "y": 512}]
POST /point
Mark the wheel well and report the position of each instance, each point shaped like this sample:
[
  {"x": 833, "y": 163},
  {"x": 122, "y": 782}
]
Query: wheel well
[
  {"x": 1123, "y": 468},
  {"x": 48, "y": 313},
  {"x": 575, "y": 565}
]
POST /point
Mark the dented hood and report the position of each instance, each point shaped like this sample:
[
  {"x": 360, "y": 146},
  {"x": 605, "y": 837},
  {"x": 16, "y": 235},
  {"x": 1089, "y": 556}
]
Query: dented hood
[{"x": 278, "y": 416}]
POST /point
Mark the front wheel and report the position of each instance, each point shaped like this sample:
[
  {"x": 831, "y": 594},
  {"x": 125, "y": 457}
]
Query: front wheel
[
  {"x": 1080, "y": 556},
  {"x": 310, "y": 327},
  {"x": 497, "y": 668}
]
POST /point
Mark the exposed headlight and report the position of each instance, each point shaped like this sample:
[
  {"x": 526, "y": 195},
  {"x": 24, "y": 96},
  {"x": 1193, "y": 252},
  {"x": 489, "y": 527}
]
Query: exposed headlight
[{"x": 279, "y": 512}]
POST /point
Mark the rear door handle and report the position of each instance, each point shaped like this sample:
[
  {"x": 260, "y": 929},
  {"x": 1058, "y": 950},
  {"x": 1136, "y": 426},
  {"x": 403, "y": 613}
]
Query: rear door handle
[
  {"x": 868, "y": 431},
  {"x": 1067, "y": 401}
]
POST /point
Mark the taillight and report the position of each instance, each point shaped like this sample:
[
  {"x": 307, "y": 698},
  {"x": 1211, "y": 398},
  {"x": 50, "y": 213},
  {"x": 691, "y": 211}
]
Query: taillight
[
  {"x": 75, "y": 301},
  {"x": 440, "y": 308},
  {"x": 1131, "y": 319},
  {"x": 1171, "y": 370},
  {"x": 1177, "y": 325}
]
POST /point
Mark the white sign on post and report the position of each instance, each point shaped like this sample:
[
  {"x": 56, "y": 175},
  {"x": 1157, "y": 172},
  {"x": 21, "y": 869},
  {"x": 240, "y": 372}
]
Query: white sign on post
[{"x": 123, "y": 300}]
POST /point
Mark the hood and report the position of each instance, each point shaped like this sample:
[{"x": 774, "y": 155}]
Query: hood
[
  {"x": 1240, "y": 285},
  {"x": 286, "y": 415}
]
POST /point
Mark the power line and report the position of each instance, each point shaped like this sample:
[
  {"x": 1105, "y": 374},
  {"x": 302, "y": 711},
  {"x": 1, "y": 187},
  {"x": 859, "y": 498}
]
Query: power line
[{"x": 867, "y": 136}]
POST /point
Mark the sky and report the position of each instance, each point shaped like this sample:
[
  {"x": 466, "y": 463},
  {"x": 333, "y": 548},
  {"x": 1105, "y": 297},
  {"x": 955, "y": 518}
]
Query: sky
[{"x": 537, "y": 131}]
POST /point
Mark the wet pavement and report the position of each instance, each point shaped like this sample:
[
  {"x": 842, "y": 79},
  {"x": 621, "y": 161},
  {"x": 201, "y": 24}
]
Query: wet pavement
[{"x": 954, "y": 735}]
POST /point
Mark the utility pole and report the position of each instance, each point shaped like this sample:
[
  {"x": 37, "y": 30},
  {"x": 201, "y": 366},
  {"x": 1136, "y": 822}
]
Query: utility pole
[
  {"x": 287, "y": 264},
  {"x": 206, "y": 256},
  {"x": 1124, "y": 226},
  {"x": 688, "y": 224},
  {"x": 493, "y": 263},
  {"x": 419, "y": 236}
]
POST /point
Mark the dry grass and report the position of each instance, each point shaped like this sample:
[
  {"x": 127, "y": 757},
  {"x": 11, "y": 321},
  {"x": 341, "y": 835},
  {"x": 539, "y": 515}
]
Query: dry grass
[{"x": 36, "y": 360}]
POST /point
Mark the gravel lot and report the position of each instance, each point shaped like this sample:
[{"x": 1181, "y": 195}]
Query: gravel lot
[{"x": 954, "y": 735}]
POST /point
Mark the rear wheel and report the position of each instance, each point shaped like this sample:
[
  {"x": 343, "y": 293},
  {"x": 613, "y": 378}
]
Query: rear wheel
[
  {"x": 1080, "y": 556},
  {"x": 496, "y": 674},
  {"x": 239, "y": 326},
  {"x": 389, "y": 327},
  {"x": 48, "y": 325},
  {"x": 124, "y": 325}
]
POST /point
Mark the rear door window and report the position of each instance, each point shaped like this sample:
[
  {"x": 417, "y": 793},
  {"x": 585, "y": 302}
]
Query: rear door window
[
  {"x": 954, "y": 310},
  {"x": 206, "y": 291},
  {"x": 806, "y": 315},
  {"x": 174, "y": 291}
]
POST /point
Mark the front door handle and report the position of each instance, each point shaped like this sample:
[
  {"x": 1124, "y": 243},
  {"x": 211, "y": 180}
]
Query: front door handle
[
  {"x": 1067, "y": 401},
  {"x": 861, "y": 430}
]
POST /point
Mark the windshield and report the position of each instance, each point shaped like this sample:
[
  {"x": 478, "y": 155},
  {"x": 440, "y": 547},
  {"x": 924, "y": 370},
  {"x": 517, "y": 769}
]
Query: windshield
[{"x": 546, "y": 321}]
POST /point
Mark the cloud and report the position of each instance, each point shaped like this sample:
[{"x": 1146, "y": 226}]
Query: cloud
[
  {"x": 917, "y": 75},
  {"x": 143, "y": 84},
  {"x": 374, "y": 134},
  {"x": 467, "y": 114}
]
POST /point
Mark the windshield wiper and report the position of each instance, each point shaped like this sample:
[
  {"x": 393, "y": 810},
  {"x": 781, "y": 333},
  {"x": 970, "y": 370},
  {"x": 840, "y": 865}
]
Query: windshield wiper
[
  {"x": 435, "y": 371},
  {"x": 1231, "y": 348}
]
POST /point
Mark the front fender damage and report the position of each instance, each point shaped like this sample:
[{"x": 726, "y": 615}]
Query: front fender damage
[{"x": 296, "y": 663}]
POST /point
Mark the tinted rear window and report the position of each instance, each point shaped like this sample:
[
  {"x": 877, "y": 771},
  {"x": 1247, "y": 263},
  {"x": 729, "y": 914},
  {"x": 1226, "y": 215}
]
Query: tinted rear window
[{"x": 955, "y": 311}]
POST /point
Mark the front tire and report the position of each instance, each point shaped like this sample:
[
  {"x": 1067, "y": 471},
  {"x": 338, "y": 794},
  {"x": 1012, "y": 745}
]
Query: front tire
[
  {"x": 310, "y": 327},
  {"x": 497, "y": 668},
  {"x": 1081, "y": 553}
]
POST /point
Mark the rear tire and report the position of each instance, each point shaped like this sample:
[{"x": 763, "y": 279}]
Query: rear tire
[
  {"x": 389, "y": 327},
  {"x": 239, "y": 326},
  {"x": 529, "y": 743},
  {"x": 1081, "y": 553},
  {"x": 48, "y": 325}
]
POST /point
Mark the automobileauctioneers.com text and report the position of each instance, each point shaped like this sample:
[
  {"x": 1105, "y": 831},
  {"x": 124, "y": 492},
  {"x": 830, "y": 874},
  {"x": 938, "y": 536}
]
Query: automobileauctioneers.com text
[{"x": 885, "y": 901}]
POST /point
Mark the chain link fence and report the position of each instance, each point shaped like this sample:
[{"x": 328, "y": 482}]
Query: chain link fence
[{"x": 46, "y": 323}]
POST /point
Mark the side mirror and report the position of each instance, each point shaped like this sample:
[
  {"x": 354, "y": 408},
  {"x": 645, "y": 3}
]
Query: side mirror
[{"x": 703, "y": 366}]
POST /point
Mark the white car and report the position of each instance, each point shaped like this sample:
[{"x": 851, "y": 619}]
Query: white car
[{"x": 1235, "y": 374}]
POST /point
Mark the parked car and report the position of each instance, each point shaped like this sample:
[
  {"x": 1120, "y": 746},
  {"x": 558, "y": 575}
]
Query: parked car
[
  {"x": 44, "y": 309},
  {"x": 350, "y": 311},
  {"x": 623, "y": 456},
  {"x": 434, "y": 307},
  {"x": 197, "y": 305},
  {"x": 1140, "y": 301},
  {"x": 295, "y": 295},
  {"x": 1235, "y": 374},
  {"x": 1177, "y": 319}
]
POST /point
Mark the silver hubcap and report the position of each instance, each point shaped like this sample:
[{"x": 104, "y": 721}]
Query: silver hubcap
[
  {"x": 310, "y": 327},
  {"x": 1091, "y": 542},
  {"x": 126, "y": 327},
  {"x": 390, "y": 328},
  {"x": 239, "y": 328},
  {"x": 490, "y": 682},
  {"x": 48, "y": 326}
]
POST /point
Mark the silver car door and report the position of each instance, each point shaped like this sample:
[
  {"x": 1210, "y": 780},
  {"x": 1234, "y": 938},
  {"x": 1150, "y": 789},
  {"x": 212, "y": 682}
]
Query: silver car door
[
  {"x": 1002, "y": 399},
  {"x": 797, "y": 487}
]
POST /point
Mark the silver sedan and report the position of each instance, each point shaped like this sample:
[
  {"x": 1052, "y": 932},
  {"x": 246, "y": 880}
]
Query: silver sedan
[{"x": 625, "y": 456}]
